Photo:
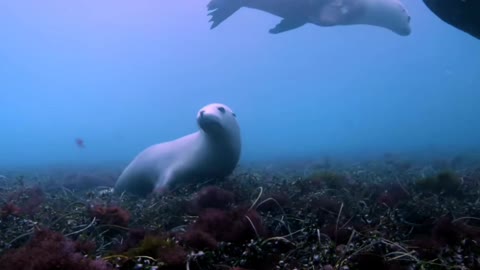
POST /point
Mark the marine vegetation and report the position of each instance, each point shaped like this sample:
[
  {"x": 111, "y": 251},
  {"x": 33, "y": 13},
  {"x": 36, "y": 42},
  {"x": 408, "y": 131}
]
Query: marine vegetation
[{"x": 370, "y": 215}]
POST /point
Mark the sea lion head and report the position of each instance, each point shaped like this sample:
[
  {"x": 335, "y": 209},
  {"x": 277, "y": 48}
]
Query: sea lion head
[
  {"x": 391, "y": 14},
  {"x": 216, "y": 119}
]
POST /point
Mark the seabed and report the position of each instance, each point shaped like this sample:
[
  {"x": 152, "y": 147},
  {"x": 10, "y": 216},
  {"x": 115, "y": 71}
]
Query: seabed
[{"x": 379, "y": 214}]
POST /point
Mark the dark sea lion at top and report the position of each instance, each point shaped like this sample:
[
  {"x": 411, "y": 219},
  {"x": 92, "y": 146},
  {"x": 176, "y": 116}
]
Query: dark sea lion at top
[
  {"x": 461, "y": 14},
  {"x": 388, "y": 14}
]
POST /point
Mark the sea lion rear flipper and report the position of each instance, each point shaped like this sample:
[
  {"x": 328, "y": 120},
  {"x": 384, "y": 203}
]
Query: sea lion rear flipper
[
  {"x": 220, "y": 10},
  {"x": 287, "y": 24}
]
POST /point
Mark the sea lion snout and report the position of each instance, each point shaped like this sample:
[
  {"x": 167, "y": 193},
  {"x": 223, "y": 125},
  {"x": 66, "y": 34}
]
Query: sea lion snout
[
  {"x": 404, "y": 31},
  {"x": 209, "y": 121},
  {"x": 404, "y": 28}
]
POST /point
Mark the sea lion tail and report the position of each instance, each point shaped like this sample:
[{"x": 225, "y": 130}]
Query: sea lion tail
[{"x": 220, "y": 10}]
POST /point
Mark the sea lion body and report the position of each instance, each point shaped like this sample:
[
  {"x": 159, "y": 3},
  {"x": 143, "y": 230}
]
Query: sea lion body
[
  {"x": 213, "y": 151},
  {"x": 461, "y": 14},
  {"x": 389, "y": 14}
]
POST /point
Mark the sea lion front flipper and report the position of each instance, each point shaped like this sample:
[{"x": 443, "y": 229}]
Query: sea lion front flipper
[{"x": 287, "y": 24}]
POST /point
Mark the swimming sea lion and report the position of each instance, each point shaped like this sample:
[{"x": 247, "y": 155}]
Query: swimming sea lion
[
  {"x": 461, "y": 14},
  {"x": 213, "y": 151},
  {"x": 389, "y": 14}
]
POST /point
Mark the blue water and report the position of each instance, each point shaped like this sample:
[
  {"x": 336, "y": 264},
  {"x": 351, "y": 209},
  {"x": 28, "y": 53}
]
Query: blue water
[{"x": 123, "y": 75}]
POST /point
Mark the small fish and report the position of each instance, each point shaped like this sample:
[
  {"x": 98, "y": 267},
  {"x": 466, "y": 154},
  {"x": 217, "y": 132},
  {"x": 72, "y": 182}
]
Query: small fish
[{"x": 80, "y": 143}]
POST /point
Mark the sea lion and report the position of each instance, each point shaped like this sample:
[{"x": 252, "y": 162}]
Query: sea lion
[
  {"x": 212, "y": 151},
  {"x": 461, "y": 14},
  {"x": 389, "y": 14}
]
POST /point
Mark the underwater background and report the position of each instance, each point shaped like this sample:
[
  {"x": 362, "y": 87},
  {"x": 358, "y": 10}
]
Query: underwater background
[
  {"x": 86, "y": 85},
  {"x": 122, "y": 75}
]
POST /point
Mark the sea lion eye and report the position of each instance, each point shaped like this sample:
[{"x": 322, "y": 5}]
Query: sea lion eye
[
  {"x": 234, "y": 115},
  {"x": 221, "y": 109}
]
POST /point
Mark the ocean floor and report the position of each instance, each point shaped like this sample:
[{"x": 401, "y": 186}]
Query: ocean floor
[{"x": 387, "y": 213}]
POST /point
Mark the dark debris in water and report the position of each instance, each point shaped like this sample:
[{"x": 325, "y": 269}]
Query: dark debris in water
[{"x": 376, "y": 215}]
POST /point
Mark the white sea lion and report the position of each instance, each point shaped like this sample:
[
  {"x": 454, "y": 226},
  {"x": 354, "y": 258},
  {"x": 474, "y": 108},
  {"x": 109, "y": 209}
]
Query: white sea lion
[
  {"x": 212, "y": 151},
  {"x": 389, "y": 14}
]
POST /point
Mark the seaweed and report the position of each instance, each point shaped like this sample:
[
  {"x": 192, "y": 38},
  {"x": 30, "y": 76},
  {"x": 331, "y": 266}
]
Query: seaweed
[
  {"x": 380, "y": 214},
  {"x": 49, "y": 250}
]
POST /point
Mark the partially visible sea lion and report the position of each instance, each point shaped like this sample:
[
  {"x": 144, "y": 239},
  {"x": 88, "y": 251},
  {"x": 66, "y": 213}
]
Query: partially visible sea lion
[
  {"x": 213, "y": 151},
  {"x": 461, "y": 14},
  {"x": 389, "y": 14}
]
